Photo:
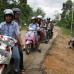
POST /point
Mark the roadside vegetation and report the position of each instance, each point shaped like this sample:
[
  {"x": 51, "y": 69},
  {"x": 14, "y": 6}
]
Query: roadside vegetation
[{"x": 26, "y": 11}]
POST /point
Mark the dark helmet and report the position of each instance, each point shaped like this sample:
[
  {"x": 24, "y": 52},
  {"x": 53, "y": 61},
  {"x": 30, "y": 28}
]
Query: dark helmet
[
  {"x": 16, "y": 10},
  {"x": 48, "y": 18}
]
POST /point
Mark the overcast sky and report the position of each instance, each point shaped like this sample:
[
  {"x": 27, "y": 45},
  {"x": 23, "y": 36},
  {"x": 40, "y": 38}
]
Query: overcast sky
[{"x": 49, "y": 6}]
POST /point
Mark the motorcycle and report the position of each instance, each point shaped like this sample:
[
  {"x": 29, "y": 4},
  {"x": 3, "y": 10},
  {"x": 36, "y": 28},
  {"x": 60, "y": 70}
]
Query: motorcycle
[
  {"x": 6, "y": 44},
  {"x": 50, "y": 33},
  {"x": 71, "y": 43},
  {"x": 45, "y": 39},
  {"x": 30, "y": 41}
]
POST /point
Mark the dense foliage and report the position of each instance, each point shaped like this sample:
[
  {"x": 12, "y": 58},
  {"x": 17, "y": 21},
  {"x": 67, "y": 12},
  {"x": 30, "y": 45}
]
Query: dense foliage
[
  {"x": 66, "y": 18},
  {"x": 26, "y": 11}
]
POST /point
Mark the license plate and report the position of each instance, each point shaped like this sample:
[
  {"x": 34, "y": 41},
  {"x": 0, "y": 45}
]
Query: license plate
[{"x": 28, "y": 38}]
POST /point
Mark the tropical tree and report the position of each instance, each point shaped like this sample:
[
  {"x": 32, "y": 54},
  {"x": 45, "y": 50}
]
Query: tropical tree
[
  {"x": 39, "y": 11},
  {"x": 66, "y": 18}
]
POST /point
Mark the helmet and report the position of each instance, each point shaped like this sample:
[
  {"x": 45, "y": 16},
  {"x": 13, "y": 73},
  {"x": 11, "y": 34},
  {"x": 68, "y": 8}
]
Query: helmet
[
  {"x": 39, "y": 16},
  {"x": 8, "y": 11},
  {"x": 51, "y": 20},
  {"x": 17, "y": 10},
  {"x": 48, "y": 18},
  {"x": 33, "y": 18},
  {"x": 43, "y": 19}
]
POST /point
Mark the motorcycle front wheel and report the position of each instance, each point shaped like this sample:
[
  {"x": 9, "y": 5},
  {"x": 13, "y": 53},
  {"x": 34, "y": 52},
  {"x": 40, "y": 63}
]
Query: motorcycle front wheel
[{"x": 28, "y": 49}]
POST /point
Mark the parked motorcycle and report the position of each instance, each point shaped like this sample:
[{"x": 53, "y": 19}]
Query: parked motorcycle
[{"x": 6, "y": 44}]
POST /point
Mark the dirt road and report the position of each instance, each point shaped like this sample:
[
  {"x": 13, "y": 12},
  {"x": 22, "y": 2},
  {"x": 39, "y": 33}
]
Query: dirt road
[{"x": 33, "y": 61}]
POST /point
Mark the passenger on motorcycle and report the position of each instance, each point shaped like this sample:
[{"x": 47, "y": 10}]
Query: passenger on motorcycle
[
  {"x": 40, "y": 33},
  {"x": 17, "y": 12},
  {"x": 17, "y": 19},
  {"x": 50, "y": 24},
  {"x": 44, "y": 27},
  {"x": 10, "y": 28},
  {"x": 35, "y": 27}
]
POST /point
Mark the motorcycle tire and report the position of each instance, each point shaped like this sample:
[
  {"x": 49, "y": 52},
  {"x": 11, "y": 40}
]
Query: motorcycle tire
[{"x": 28, "y": 49}]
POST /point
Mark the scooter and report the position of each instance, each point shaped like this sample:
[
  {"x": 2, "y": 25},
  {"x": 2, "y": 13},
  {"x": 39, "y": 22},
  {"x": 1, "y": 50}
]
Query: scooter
[
  {"x": 6, "y": 44},
  {"x": 45, "y": 39},
  {"x": 30, "y": 41},
  {"x": 50, "y": 33}
]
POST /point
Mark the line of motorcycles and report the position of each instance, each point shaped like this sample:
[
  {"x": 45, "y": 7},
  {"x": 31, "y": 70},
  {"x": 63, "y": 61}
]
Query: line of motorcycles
[{"x": 30, "y": 39}]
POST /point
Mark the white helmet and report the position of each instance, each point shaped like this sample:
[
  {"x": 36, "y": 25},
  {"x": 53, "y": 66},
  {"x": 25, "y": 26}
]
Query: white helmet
[
  {"x": 39, "y": 16},
  {"x": 33, "y": 18},
  {"x": 8, "y": 11},
  {"x": 50, "y": 19}
]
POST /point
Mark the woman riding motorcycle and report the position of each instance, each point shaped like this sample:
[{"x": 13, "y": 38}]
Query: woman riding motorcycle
[
  {"x": 35, "y": 27},
  {"x": 44, "y": 27},
  {"x": 40, "y": 33},
  {"x": 50, "y": 24}
]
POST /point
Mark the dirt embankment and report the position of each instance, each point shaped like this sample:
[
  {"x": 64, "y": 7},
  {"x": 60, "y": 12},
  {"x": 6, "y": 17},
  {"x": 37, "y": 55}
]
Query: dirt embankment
[{"x": 61, "y": 59}]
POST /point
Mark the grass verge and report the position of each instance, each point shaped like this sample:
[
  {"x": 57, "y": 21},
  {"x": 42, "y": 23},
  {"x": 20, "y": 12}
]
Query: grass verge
[{"x": 67, "y": 31}]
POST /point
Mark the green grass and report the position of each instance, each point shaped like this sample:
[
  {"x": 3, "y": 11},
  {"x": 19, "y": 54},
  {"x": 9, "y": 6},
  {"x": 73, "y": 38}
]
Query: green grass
[
  {"x": 67, "y": 31},
  {"x": 24, "y": 28}
]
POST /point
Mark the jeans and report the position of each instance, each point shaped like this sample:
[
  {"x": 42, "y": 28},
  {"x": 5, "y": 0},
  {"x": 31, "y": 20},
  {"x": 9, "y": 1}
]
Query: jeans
[
  {"x": 16, "y": 57},
  {"x": 36, "y": 36},
  {"x": 21, "y": 57}
]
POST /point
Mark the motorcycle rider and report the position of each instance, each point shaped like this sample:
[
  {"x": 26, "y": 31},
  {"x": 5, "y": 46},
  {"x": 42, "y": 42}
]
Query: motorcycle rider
[
  {"x": 10, "y": 28},
  {"x": 35, "y": 26},
  {"x": 17, "y": 12},
  {"x": 44, "y": 29},
  {"x": 40, "y": 33},
  {"x": 50, "y": 24}
]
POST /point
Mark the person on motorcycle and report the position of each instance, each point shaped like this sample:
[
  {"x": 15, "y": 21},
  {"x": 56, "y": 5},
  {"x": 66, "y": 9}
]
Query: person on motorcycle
[
  {"x": 35, "y": 26},
  {"x": 10, "y": 28},
  {"x": 44, "y": 29},
  {"x": 40, "y": 33},
  {"x": 71, "y": 42},
  {"x": 50, "y": 24},
  {"x": 17, "y": 19},
  {"x": 17, "y": 12}
]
